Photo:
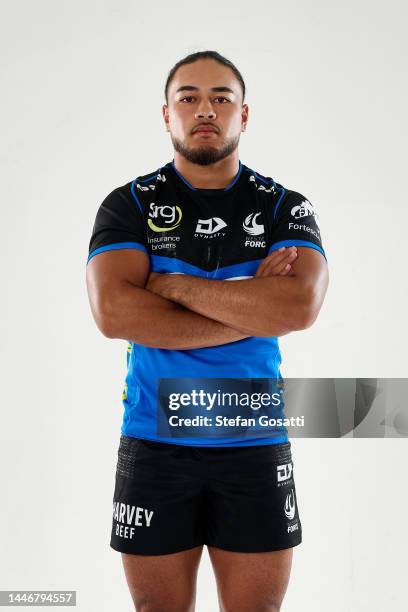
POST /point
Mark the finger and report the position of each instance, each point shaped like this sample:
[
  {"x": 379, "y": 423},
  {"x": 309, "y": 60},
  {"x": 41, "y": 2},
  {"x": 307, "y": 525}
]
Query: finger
[
  {"x": 278, "y": 257},
  {"x": 289, "y": 258},
  {"x": 276, "y": 261},
  {"x": 274, "y": 269},
  {"x": 274, "y": 257},
  {"x": 270, "y": 271},
  {"x": 286, "y": 270}
]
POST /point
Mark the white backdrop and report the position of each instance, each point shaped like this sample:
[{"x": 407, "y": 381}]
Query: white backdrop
[{"x": 81, "y": 114}]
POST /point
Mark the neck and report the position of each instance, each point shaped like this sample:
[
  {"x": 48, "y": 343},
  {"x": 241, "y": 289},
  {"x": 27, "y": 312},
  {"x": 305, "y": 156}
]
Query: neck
[{"x": 215, "y": 176}]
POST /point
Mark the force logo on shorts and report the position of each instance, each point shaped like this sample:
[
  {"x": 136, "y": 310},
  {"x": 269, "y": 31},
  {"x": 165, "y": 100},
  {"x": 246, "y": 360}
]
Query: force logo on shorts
[{"x": 290, "y": 511}]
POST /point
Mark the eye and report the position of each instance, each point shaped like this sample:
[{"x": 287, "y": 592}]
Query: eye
[
  {"x": 186, "y": 98},
  {"x": 222, "y": 98}
]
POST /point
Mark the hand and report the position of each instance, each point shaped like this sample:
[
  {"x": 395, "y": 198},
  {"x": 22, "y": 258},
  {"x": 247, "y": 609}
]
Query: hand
[{"x": 278, "y": 263}]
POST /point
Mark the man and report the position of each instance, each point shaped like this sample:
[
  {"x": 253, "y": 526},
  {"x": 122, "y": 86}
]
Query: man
[{"x": 163, "y": 252}]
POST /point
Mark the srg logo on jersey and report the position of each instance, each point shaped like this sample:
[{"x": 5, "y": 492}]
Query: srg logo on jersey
[
  {"x": 305, "y": 209},
  {"x": 284, "y": 472},
  {"x": 251, "y": 226},
  {"x": 170, "y": 216},
  {"x": 209, "y": 227},
  {"x": 290, "y": 505}
]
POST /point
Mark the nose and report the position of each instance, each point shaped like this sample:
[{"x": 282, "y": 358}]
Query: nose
[{"x": 205, "y": 110}]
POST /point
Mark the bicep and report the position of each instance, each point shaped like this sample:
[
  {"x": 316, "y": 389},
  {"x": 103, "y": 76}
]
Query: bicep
[
  {"x": 310, "y": 267},
  {"x": 108, "y": 272}
]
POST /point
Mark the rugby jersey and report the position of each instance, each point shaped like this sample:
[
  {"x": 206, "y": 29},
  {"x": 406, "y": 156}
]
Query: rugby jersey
[{"x": 211, "y": 233}]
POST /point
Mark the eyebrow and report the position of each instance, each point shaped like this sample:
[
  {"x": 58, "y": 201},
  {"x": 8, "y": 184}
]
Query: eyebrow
[{"x": 194, "y": 88}]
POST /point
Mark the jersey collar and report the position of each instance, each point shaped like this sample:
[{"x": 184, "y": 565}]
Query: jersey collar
[{"x": 227, "y": 188}]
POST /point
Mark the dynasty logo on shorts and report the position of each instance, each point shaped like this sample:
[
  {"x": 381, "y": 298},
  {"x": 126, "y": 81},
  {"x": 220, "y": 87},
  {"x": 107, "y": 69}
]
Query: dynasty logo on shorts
[
  {"x": 290, "y": 511},
  {"x": 126, "y": 516},
  {"x": 284, "y": 473}
]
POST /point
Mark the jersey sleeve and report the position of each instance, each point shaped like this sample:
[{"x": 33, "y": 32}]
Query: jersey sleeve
[
  {"x": 119, "y": 224},
  {"x": 295, "y": 223}
]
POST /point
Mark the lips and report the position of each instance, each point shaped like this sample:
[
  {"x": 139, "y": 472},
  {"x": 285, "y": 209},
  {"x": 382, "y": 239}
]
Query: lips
[{"x": 204, "y": 130}]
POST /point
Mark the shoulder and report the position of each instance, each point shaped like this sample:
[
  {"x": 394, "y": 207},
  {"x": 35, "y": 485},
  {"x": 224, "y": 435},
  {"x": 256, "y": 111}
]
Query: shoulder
[
  {"x": 128, "y": 195},
  {"x": 264, "y": 183},
  {"x": 296, "y": 204},
  {"x": 284, "y": 200},
  {"x": 261, "y": 182}
]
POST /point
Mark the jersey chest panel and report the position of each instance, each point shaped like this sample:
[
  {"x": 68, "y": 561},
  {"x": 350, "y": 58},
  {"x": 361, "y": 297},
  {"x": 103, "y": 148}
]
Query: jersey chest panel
[{"x": 207, "y": 232}]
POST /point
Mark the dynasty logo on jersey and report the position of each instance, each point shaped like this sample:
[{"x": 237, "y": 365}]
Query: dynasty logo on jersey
[{"x": 210, "y": 226}]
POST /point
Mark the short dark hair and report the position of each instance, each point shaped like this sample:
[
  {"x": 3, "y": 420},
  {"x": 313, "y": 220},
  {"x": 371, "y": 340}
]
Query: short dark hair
[{"x": 193, "y": 57}]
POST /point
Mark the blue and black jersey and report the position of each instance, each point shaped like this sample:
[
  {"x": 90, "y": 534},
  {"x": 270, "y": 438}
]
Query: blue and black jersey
[{"x": 211, "y": 233}]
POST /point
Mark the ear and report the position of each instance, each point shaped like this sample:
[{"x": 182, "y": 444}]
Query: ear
[
  {"x": 244, "y": 117},
  {"x": 165, "y": 112}
]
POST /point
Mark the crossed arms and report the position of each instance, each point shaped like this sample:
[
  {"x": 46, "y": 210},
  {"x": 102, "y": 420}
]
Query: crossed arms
[{"x": 177, "y": 311}]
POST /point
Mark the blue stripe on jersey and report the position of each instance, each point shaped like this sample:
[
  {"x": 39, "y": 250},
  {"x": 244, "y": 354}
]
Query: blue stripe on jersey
[
  {"x": 132, "y": 189},
  {"x": 151, "y": 178},
  {"x": 269, "y": 181},
  {"x": 292, "y": 242},
  {"x": 236, "y": 178},
  {"x": 172, "y": 264},
  {"x": 278, "y": 203},
  {"x": 116, "y": 247},
  {"x": 182, "y": 177},
  {"x": 195, "y": 188}
]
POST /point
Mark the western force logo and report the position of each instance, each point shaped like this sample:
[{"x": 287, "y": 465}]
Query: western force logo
[
  {"x": 169, "y": 217},
  {"x": 251, "y": 226},
  {"x": 305, "y": 209},
  {"x": 284, "y": 472},
  {"x": 290, "y": 506},
  {"x": 210, "y": 226}
]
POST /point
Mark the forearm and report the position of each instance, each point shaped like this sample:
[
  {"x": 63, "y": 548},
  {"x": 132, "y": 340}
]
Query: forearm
[
  {"x": 149, "y": 319},
  {"x": 271, "y": 306}
]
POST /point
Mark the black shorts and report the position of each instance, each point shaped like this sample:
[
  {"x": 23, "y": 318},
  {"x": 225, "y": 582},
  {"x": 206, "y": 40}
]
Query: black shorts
[{"x": 170, "y": 498}]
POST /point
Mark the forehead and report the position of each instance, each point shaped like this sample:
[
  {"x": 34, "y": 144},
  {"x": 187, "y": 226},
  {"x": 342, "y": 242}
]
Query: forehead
[{"x": 204, "y": 74}]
